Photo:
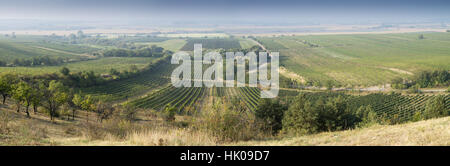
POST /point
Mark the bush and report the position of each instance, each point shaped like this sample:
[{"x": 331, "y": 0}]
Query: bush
[
  {"x": 271, "y": 113},
  {"x": 331, "y": 114},
  {"x": 169, "y": 113},
  {"x": 436, "y": 108},
  {"x": 228, "y": 124},
  {"x": 301, "y": 117}
]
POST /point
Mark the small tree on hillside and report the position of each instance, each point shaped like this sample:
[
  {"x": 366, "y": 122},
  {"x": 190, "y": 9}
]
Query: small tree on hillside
[
  {"x": 54, "y": 96},
  {"x": 6, "y": 82},
  {"x": 23, "y": 93}
]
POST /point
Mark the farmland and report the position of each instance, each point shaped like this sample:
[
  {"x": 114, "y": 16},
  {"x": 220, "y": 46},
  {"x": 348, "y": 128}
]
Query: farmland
[
  {"x": 102, "y": 65},
  {"x": 216, "y": 43},
  {"x": 360, "y": 60},
  {"x": 145, "y": 97},
  {"x": 123, "y": 89}
]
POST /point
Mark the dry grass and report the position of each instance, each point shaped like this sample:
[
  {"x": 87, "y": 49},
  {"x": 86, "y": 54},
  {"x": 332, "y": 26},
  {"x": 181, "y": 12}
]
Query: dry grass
[{"x": 424, "y": 133}]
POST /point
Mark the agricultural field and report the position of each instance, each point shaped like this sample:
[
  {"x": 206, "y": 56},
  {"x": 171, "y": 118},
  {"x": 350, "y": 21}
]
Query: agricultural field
[
  {"x": 246, "y": 43},
  {"x": 26, "y": 47},
  {"x": 216, "y": 43},
  {"x": 172, "y": 44},
  {"x": 130, "y": 87},
  {"x": 361, "y": 60},
  {"x": 101, "y": 65}
]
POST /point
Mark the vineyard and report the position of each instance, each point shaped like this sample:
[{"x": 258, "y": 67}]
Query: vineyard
[
  {"x": 188, "y": 97},
  {"x": 123, "y": 89},
  {"x": 180, "y": 98},
  {"x": 391, "y": 105},
  {"x": 249, "y": 95}
]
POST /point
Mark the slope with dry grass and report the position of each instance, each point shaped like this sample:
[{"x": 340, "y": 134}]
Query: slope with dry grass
[{"x": 429, "y": 132}]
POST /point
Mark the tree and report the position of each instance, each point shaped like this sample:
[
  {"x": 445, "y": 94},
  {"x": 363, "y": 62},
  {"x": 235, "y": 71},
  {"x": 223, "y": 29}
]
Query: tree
[
  {"x": 76, "y": 103},
  {"x": 54, "y": 95},
  {"x": 271, "y": 112},
  {"x": 23, "y": 93},
  {"x": 37, "y": 95},
  {"x": 421, "y": 37},
  {"x": 88, "y": 105},
  {"x": 103, "y": 110},
  {"x": 436, "y": 108},
  {"x": 169, "y": 113},
  {"x": 6, "y": 82},
  {"x": 65, "y": 71},
  {"x": 301, "y": 118}
]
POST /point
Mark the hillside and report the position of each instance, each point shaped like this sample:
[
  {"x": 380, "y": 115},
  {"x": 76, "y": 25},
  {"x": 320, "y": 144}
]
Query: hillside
[{"x": 428, "y": 132}]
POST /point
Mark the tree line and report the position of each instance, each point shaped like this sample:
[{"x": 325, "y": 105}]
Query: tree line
[
  {"x": 306, "y": 115},
  {"x": 52, "y": 96},
  {"x": 424, "y": 79},
  {"x": 152, "y": 51},
  {"x": 35, "y": 61}
]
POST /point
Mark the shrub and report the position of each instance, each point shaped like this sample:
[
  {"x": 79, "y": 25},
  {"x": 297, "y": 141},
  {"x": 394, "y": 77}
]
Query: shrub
[
  {"x": 228, "y": 124},
  {"x": 301, "y": 117},
  {"x": 169, "y": 113},
  {"x": 332, "y": 114},
  {"x": 436, "y": 108},
  {"x": 271, "y": 113}
]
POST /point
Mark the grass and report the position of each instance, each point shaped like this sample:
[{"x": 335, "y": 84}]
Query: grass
[
  {"x": 424, "y": 133},
  {"x": 102, "y": 65},
  {"x": 365, "y": 60}
]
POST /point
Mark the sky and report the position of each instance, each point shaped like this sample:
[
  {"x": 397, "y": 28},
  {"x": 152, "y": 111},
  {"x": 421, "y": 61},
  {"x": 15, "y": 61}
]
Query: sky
[{"x": 231, "y": 10}]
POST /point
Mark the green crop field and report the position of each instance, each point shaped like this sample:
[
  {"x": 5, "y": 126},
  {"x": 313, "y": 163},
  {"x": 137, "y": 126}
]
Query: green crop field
[
  {"x": 246, "y": 43},
  {"x": 215, "y": 43},
  {"x": 102, "y": 65},
  {"x": 172, "y": 45},
  {"x": 361, "y": 59}
]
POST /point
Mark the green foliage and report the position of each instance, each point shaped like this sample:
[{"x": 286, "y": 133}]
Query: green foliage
[
  {"x": 152, "y": 51},
  {"x": 436, "y": 108},
  {"x": 432, "y": 78},
  {"x": 271, "y": 113},
  {"x": 6, "y": 85},
  {"x": 65, "y": 71},
  {"x": 301, "y": 118},
  {"x": 55, "y": 95},
  {"x": 169, "y": 113},
  {"x": 227, "y": 124},
  {"x": 421, "y": 36}
]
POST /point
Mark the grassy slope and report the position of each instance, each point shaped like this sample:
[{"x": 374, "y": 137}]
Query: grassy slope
[
  {"x": 362, "y": 59},
  {"x": 429, "y": 132}
]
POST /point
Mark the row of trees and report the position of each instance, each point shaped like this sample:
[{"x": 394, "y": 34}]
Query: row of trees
[
  {"x": 53, "y": 96},
  {"x": 36, "y": 61},
  {"x": 424, "y": 79},
  {"x": 152, "y": 51},
  {"x": 306, "y": 115}
]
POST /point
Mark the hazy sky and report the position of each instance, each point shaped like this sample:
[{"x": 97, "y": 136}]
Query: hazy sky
[{"x": 234, "y": 10}]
